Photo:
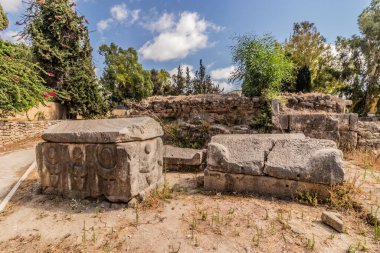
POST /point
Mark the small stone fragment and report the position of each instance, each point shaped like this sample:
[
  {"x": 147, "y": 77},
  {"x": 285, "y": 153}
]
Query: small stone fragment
[{"x": 333, "y": 220}]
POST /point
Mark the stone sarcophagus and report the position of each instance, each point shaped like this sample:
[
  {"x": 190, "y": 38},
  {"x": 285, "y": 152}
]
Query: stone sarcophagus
[{"x": 115, "y": 158}]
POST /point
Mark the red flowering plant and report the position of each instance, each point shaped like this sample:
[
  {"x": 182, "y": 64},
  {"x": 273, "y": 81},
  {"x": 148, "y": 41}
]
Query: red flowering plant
[{"x": 22, "y": 85}]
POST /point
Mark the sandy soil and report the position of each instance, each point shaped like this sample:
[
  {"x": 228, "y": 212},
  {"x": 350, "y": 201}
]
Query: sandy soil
[{"x": 190, "y": 221}]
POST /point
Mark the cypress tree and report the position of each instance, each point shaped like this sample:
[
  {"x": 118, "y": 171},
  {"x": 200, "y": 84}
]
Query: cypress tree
[{"x": 60, "y": 43}]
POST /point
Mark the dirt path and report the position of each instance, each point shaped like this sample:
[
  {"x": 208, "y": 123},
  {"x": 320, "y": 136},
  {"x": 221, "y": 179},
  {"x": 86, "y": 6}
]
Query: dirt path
[
  {"x": 189, "y": 220},
  {"x": 12, "y": 166}
]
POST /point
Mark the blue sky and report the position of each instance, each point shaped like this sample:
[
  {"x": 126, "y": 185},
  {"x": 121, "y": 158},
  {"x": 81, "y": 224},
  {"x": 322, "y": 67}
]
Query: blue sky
[{"x": 167, "y": 33}]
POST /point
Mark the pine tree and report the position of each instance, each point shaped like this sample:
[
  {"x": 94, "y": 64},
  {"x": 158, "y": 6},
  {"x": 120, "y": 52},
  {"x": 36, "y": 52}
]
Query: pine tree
[
  {"x": 179, "y": 82},
  {"x": 60, "y": 43},
  {"x": 202, "y": 83}
]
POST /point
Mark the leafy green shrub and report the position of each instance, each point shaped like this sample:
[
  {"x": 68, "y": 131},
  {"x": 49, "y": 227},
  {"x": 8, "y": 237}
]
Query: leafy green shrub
[
  {"x": 261, "y": 65},
  {"x": 21, "y": 85}
]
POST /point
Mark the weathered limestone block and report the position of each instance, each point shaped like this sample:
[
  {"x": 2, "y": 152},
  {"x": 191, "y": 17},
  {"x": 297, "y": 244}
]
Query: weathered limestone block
[
  {"x": 242, "y": 154},
  {"x": 263, "y": 185},
  {"x": 183, "y": 159},
  {"x": 309, "y": 160},
  {"x": 333, "y": 220},
  {"x": 118, "y": 171},
  {"x": 278, "y": 164},
  {"x": 104, "y": 131}
]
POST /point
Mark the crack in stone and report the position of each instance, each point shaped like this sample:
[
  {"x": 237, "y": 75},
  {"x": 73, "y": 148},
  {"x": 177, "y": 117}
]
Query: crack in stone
[{"x": 266, "y": 154}]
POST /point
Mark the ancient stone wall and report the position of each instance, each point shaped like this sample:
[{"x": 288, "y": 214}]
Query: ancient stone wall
[
  {"x": 341, "y": 128},
  {"x": 227, "y": 109},
  {"x": 313, "y": 103},
  {"x": 369, "y": 135},
  {"x": 15, "y": 131}
]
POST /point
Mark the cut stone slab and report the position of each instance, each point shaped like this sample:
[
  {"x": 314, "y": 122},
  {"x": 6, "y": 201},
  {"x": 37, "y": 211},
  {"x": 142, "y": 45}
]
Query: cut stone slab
[
  {"x": 183, "y": 159},
  {"x": 243, "y": 153},
  {"x": 333, "y": 220},
  {"x": 263, "y": 185},
  {"x": 310, "y": 160},
  {"x": 104, "y": 131}
]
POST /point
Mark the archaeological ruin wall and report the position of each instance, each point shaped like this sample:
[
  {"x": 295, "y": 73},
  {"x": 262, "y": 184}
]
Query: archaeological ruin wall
[{"x": 16, "y": 131}]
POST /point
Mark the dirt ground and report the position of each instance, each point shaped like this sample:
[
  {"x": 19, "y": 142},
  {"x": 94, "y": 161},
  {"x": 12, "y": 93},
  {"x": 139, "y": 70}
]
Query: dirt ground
[{"x": 187, "y": 220}]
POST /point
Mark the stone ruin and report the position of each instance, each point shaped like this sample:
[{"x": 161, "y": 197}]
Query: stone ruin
[
  {"x": 119, "y": 159},
  {"x": 122, "y": 159},
  {"x": 282, "y": 165}
]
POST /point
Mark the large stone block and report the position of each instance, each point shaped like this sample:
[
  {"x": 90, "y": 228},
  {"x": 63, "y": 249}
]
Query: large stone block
[
  {"x": 309, "y": 160},
  {"x": 117, "y": 171},
  {"x": 280, "y": 164},
  {"x": 241, "y": 153},
  {"x": 183, "y": 159},
  {"x": 104, "y": 131},
  {"x": 264, "y": 185}
]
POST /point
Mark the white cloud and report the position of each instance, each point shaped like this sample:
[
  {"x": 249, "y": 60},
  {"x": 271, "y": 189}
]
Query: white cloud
[
  {"x": 11, "y": 5},
  {"x": 226, "y": 86},
  {"x": 135, "y": 15},
  {"x": 222, "y": 73},
  {"x": 183, "y": 67},
  {"x": 165, "y": 22},
  {"x": 178, "y": 40},
  {"x": 119, "y": 12},
  {"x": 104, "y": 24},
  {"x": 12, "y": 35}
]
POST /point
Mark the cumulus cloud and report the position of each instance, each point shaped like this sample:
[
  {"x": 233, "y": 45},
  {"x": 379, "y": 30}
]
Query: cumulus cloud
[
  {"x": 177, "y": 40},
  {"x": 222, "y": 73},
  {"x": 11, "y": 5},
  {"x": 103, "y": 25},
  {"x": 226, "y": 86},
  {"x": 165, "y": 22},
  {"x": 119, "y": 12}
]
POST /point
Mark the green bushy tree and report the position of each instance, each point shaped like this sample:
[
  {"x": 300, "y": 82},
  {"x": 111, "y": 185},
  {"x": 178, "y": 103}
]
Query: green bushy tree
[
  {"x": 124, "y": 77},
  {"x": 161, "y": 82},
  {"x": 21, "y": 84},
  {"x": 261, "y": 65},
  {"x": 311, "y": 54},
  {"x": 60, "y": 43},
  {"x": 360, "y": 61}
]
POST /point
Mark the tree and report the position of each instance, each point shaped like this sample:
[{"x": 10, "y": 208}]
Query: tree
[
  {"x": 360, "y": 60},
  {"x": 123, "y": 76},
  {"x": 161, "y": 82},
  {"x": 202, "y": 83},
  {"x": 22, "y": 87},
  {"x": 179, "y": 82},
  {"x": 303, "y": 81},
  {"x": 309, "y": 51},
  {"x": 261, "y": 65},
  {"x": 3, "y": 19},
  {"x": 60, "y": 43}
]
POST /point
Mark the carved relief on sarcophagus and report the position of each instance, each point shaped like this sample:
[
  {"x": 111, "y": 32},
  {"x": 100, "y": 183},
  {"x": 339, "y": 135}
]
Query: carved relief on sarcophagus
[{"x": 118, "y": 159}]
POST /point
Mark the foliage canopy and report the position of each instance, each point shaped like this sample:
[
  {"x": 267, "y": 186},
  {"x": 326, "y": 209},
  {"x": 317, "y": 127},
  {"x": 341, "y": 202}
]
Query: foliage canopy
[{"x": 261, "y": 65}]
